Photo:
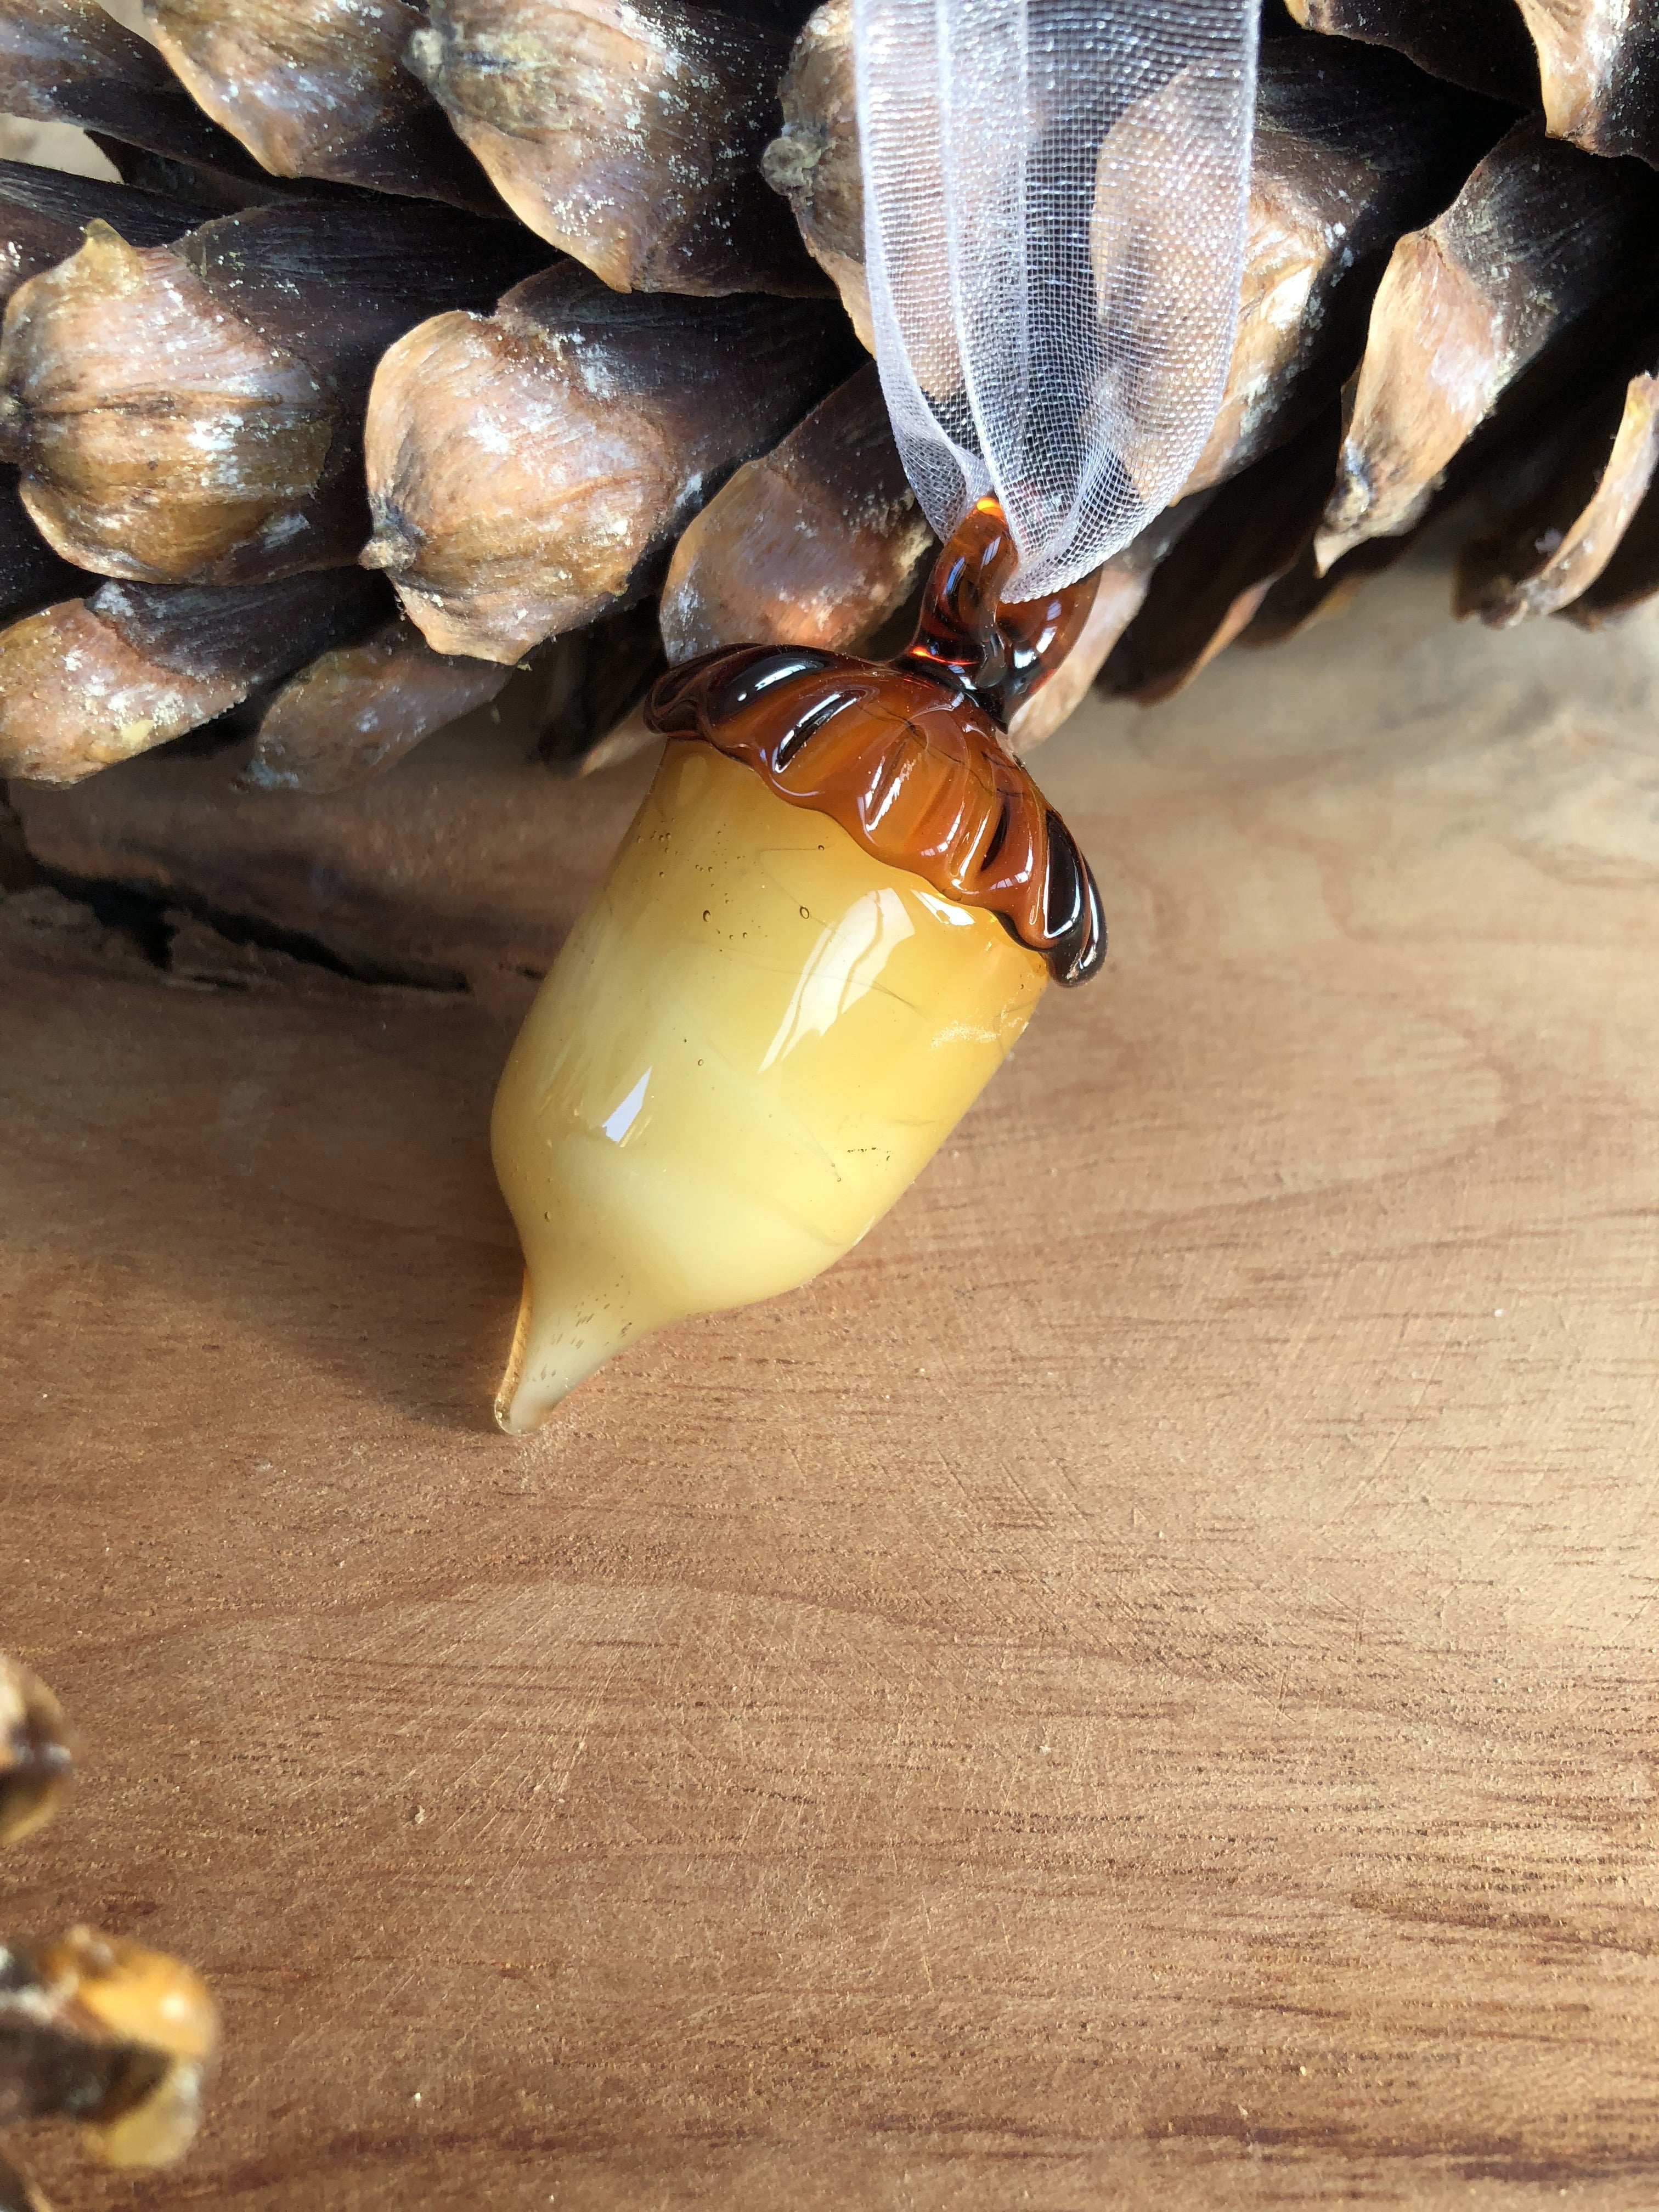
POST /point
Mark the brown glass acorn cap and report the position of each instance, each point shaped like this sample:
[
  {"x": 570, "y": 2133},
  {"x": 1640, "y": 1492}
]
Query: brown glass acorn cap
[{"x": 913, "y": 773}]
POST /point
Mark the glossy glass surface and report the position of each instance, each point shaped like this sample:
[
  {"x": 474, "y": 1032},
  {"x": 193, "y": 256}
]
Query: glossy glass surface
[
  {"x": 910, "y": 769},
  {"x": 830, "y": 919},
  {"x": 997, "y": 651},
  {"x": 754, "y": 1039}
]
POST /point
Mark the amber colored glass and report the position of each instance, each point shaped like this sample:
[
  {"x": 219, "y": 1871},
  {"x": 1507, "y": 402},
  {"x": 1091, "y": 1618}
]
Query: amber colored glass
[
  {"x": 908, "y": 755},
  {"x": 824, "y": 933},
  {"x": 1000, "y": 650}
]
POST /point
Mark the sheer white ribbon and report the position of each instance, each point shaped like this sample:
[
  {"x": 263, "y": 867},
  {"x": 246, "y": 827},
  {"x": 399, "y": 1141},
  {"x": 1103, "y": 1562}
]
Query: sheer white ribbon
[{"x": 1054, "y": 197}]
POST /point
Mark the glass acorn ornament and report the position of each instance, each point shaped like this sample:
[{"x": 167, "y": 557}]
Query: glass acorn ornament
[{"x": 830, "y": 921}]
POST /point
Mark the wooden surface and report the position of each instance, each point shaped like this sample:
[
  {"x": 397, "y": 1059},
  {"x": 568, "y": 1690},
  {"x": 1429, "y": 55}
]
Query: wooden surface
[{"x": 1138, "y": 1690}]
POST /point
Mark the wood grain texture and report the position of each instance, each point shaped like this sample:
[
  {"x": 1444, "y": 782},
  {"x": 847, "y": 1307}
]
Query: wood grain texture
[{"x": 1138, "y": 1689}]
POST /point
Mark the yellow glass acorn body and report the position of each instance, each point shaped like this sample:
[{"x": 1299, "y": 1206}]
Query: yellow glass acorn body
[
  {"x": 754, "y": 1041},
  {"x": 830, "y": 919}
]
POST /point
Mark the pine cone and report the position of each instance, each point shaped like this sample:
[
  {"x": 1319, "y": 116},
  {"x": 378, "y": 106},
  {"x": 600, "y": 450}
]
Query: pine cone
[{"x": 319, "y": 326}]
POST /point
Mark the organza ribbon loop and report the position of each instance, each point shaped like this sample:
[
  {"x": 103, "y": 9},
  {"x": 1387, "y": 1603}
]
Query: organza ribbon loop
[{"x": 1054, "y": 204}]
